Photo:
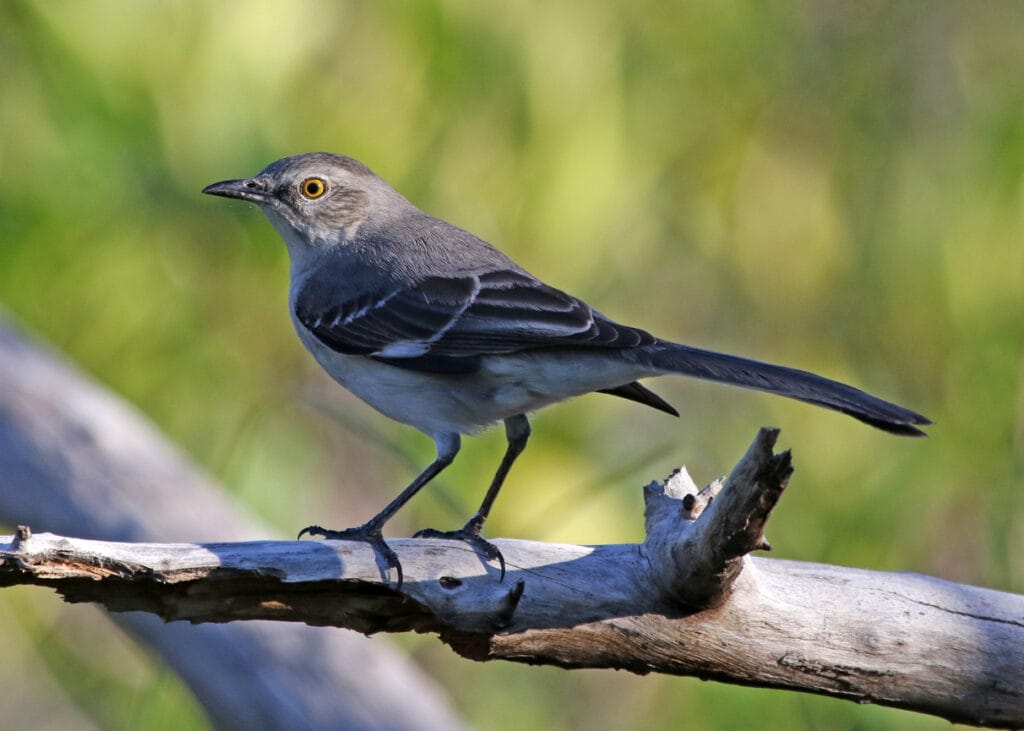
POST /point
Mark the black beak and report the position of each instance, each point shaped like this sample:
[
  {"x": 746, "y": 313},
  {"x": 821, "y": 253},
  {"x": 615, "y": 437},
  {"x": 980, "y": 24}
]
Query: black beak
[{"x": 248, "y": 189}]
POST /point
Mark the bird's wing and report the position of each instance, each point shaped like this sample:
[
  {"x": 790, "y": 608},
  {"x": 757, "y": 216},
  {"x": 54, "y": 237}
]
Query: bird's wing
[{"x": 447, "y": 323}]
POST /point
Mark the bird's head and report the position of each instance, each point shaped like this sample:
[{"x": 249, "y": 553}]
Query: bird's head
[{"x": 314, "y": 200}]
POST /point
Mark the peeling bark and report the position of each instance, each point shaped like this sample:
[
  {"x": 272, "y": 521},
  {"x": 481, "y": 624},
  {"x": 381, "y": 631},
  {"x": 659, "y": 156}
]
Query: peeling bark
[{"x": 687, "y": 601}]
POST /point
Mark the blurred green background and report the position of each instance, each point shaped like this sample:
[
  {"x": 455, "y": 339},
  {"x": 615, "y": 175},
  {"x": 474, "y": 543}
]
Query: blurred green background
[{"x": 833, "y": 185}]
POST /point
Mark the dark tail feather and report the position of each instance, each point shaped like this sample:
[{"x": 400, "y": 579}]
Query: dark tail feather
[
  {"x": 789, "y": 382},
  {"x": 642, "y": 395}
]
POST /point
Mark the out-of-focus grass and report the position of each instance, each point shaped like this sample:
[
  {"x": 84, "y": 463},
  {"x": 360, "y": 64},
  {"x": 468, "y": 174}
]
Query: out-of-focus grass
[{"x": 832, "y": 185}]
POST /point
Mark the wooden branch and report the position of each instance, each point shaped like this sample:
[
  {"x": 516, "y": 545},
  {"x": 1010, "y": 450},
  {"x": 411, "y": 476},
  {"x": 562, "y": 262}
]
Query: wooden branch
[{"x": 687, "y": 601}]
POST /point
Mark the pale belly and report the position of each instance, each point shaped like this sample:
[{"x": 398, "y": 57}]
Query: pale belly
[{"x": 464, "y": 404}]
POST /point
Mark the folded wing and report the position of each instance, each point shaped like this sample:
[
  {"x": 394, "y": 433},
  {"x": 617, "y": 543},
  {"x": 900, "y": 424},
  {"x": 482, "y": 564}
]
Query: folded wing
[{"x": 446, "y": 324}]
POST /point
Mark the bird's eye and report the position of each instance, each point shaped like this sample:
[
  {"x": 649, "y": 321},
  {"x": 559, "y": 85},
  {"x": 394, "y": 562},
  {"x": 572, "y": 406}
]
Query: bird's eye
[{"x": 313, "y": 188}]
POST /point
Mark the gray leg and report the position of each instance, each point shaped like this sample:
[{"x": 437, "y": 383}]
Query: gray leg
[
  {"x": 517, "y": 431},
  {"x": 447, "y": 447}
]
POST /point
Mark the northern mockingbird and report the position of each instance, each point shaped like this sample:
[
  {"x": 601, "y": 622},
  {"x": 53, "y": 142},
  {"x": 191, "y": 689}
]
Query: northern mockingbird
[{"x": 439, "y": 330}]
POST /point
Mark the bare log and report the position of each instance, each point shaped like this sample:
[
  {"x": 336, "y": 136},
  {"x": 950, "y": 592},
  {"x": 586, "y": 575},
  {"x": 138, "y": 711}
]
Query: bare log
[{"x": 687, "y": 601}]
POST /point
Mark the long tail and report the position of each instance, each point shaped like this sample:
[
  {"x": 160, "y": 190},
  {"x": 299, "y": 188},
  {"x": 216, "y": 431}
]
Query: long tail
[{"x": 801, "y": 385}]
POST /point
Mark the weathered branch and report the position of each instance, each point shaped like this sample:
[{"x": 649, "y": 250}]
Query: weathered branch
[{"x": 685, "y": 602}]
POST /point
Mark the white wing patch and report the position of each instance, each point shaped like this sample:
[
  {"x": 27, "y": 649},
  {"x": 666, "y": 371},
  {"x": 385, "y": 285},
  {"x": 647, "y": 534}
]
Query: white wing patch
[{"x": 404, "y": 349}]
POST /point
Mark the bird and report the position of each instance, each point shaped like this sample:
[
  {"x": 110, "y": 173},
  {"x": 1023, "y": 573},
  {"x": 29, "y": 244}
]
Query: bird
[{"x": 437, "y": 329}]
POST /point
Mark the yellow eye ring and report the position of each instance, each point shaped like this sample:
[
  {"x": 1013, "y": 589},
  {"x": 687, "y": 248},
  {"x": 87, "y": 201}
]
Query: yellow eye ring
[{"x": 313, "y": 188}]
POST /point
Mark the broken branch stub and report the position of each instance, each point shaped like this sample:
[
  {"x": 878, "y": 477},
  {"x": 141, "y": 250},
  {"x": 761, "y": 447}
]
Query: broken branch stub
[
  {"x": 696, "y": 539},
  {"x": 900, "y": 640}
]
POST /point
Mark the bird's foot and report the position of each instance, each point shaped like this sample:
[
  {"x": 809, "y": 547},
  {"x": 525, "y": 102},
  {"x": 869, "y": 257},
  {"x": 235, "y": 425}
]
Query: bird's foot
[
  {"x": 469, "y": 533},
  {"x": 368, "y": 533}
]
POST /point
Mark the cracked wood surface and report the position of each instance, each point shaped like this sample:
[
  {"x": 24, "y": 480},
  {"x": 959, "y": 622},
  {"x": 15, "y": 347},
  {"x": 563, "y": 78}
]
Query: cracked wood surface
[{"x": 902, "y": 640}]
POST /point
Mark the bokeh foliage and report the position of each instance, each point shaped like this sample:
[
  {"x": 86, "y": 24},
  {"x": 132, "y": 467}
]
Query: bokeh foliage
[{"x": 834, "y": 185}]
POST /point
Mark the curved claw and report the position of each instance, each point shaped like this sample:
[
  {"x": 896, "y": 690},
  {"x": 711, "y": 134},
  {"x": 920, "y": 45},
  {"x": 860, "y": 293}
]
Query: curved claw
[
  {"x": 367, "y": 534},
  {"x": 467, "y": 535},
  {"x": 311, "y": 530}
]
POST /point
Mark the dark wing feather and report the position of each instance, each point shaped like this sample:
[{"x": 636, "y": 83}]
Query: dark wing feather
[{"x": 445, "y": 324}]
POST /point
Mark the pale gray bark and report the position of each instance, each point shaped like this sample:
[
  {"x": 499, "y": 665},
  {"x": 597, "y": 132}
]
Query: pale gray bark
[
  {"x": 687, "y": 601},
  {"x": 78, "y": 460}
]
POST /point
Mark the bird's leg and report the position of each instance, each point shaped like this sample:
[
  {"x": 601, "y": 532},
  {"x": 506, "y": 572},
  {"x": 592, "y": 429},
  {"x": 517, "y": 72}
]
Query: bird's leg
[
  {"x": 517, "y": 431},
  {"x": 370, "y": 532}
]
